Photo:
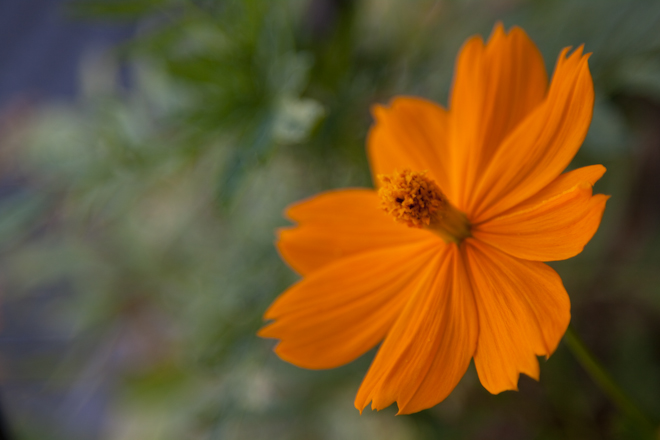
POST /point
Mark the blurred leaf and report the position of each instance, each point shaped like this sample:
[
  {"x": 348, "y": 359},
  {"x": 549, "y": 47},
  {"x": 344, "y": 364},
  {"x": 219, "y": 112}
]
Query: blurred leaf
[
  {"x": 250, "y": 105},
  {"x": 19, "y": 214},
  {"x": 295, "y": 118}
]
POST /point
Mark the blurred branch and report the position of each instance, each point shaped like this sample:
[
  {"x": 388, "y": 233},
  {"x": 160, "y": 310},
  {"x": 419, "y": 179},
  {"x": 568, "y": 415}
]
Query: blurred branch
[{"x": 608, "y": 385}]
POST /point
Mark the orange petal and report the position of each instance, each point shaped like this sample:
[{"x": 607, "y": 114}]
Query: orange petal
[
  {"x": 339, "y": 312},
  {"x": 553, "y": 229},
  {"x": 495, "y": 87},
  {"x": 541, "y": 147},
  {"x": 410, "y": 134},
  {"x": 337, "y": 224},
  {"x": 523, "y": 313},
  {"x": 589, "y": 174},
  {"x": 429, "y": 348}
]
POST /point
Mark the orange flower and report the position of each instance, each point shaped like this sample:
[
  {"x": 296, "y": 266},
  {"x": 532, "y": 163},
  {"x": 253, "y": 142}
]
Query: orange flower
[{"x": 479, "y": 202}]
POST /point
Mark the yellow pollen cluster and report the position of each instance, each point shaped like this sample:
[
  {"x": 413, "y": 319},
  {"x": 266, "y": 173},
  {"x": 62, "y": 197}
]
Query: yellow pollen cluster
[{"x": 410, "y": 197}]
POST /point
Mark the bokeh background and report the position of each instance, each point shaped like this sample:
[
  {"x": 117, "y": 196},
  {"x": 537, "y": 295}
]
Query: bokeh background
[{"x": 148, "y": 149}]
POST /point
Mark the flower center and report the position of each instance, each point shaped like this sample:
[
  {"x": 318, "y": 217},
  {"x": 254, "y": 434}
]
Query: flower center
[{"x": 414, "y": 199}]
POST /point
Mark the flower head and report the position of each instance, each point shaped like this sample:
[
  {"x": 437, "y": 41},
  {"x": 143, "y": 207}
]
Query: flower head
[
  {"x": 444, "y": 263},
  {"x": 411, "y": 198}
]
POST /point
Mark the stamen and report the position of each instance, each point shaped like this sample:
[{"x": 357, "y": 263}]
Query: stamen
[
  {"x": 414, "y": 199},
  {"x": 410, "y": 197}
]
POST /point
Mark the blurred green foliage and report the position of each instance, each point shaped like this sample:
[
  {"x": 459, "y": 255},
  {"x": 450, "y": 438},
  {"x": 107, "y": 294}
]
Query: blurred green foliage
[{"x": 156, "y": 206}]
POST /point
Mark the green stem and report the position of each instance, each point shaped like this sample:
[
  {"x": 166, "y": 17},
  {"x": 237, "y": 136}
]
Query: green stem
[{"x": 606, "y": 383}]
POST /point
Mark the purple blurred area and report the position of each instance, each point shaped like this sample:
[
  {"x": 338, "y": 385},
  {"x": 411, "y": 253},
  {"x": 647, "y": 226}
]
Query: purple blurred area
[{"x": 41, "y": 48}]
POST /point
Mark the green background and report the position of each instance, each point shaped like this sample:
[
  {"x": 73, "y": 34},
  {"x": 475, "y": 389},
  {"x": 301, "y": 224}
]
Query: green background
[{"x": 156, "y": 206}]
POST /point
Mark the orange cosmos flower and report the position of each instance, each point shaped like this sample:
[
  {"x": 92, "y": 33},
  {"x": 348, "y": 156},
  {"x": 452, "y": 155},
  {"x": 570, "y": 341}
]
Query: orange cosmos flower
[{"x": 479, "y": 201}]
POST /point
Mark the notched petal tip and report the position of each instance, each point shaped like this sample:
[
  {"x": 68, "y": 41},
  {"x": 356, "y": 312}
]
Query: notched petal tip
[
  {"x": 597, "y": 171},
  {"x": 513, "y": 30},
  {"x": 295, "y": 213},
  {"x": 578, "y": 51},
  {"x": 378, "y": 112},
  {"x": 498, "y": 31},
  {"x": 427, "y": 352},
  {"x": 569, "y": 57},
  {"x": 472, "y": 47},
  {"x": 524, "y": 312},
  {"x": 266, "y": 331},
  {"x": 552, "y": 226},
  {"x": 502, "y": 386}
]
